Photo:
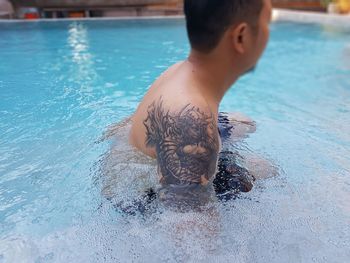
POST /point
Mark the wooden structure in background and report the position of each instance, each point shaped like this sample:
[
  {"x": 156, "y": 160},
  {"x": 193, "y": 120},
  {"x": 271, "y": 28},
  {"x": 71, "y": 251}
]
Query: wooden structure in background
[
  {"x": 6, "y": 9},
  {"x": 309, "y": 5},
  {"x": 96, "y": 8}
]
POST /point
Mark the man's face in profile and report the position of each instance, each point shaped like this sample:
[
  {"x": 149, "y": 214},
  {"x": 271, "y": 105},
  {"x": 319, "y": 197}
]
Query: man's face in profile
[
  {"x": 262, "y": 33},
  {"x": 256, "y": 39}
]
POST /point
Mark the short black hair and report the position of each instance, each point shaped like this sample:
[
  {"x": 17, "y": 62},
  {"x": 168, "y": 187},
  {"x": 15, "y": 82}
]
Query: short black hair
[{"x": 207, "y": 20}]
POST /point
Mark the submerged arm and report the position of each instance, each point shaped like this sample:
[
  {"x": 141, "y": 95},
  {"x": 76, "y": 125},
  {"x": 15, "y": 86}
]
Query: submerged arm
[{"x": 235, "y": 126}]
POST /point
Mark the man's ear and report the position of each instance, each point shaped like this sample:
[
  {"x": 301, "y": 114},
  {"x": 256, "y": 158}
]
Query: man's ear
[{"x": 239, "y": 37}]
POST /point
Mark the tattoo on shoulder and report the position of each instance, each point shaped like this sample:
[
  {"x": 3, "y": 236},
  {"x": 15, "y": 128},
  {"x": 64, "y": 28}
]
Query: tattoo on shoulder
[{"x": 186, "y": 143}]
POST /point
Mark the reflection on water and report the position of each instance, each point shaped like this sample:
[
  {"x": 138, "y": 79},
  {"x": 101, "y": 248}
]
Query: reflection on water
[
  {"x": 82, "y": 74},
  {"x": 78, "y": 41}
]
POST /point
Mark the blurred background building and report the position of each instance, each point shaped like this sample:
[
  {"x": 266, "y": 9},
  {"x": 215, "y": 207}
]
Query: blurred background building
[
  {"x": 310, "y": 5},
  {"x": 94, "y": 8},
  {"x": 31, "y": 9},
  {"x": 6, "y": 9}
]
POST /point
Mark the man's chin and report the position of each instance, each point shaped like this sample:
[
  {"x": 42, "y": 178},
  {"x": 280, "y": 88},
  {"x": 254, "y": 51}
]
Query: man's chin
[{"x": 251, "y": 70}]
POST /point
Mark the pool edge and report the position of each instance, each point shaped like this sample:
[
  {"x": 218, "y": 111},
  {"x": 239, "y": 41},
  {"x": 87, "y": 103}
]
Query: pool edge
[
  {"x": 90, "y": 19},
  {"x": 342, "y": 21}
]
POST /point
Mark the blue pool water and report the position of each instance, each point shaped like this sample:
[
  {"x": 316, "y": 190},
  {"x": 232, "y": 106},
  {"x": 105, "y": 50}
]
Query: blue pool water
[{"x": 63, "y": 83}]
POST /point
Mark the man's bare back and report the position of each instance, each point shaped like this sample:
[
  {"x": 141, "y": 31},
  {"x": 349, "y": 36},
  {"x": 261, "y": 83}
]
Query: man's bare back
[
  {"x": 177, "y": 121},
  {"x": 175, "y": 124},
  {"x": 175, "y": 90},
  {"x": 180, "y": 129}
]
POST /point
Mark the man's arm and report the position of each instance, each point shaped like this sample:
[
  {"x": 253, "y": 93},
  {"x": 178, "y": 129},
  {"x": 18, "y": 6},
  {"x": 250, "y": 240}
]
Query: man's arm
[
  {"x": 235, "y": 126},
  {"x": 187, "y": 146}
]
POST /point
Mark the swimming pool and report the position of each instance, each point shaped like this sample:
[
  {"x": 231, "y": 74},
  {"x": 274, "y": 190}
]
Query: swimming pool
[{"x": 63, "y": 83}]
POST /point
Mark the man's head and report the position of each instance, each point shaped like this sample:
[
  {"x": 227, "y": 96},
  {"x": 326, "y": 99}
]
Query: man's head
[{"x": 238, "y": 27}]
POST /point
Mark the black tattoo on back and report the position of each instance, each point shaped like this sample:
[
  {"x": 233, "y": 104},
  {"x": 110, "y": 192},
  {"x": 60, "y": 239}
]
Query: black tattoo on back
[{"x": 186, "y": 143}]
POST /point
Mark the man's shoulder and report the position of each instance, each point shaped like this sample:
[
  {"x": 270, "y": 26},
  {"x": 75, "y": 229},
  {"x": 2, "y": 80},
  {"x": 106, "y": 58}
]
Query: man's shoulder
[
  {"x": 177, "y": 102},
  {"x": 176, "y": 110},
  {"x": 186, "y": 140},
  {"x": 172, "y": 103}
]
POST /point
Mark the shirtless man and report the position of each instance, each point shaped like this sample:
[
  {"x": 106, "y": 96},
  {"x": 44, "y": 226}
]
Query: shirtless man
[{"x": 177, "y": 120}]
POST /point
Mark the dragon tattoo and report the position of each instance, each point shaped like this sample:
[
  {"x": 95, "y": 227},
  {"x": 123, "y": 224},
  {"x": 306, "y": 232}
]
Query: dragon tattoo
[{"x": 186, "y": 143}]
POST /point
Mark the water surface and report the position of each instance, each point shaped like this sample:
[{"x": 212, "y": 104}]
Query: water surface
[{"x": 63, "y": 83}]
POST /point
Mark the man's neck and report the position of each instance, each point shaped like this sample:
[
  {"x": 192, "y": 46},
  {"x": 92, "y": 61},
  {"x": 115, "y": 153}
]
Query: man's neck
[{"x": 214, "y": 72}]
